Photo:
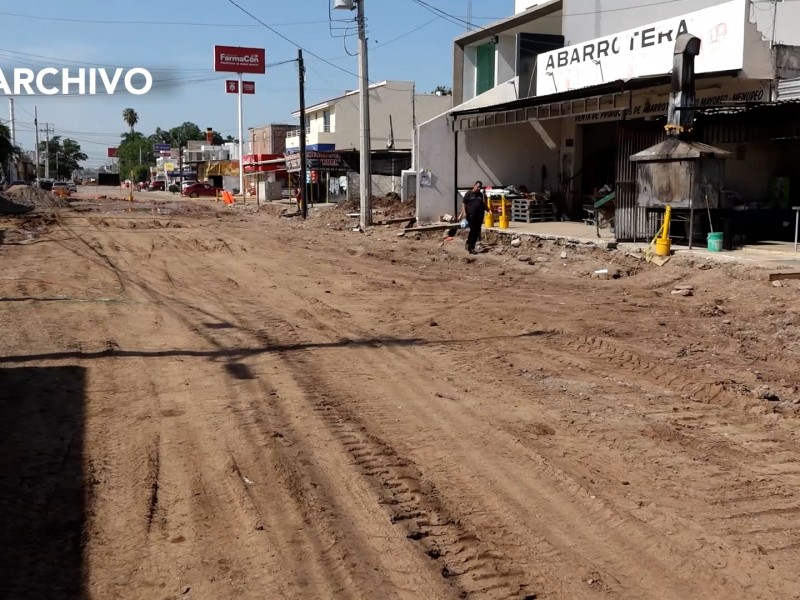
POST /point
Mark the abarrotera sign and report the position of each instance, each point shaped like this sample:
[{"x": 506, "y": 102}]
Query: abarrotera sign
[
  {"x": 647, "y": 51},
  {"x": 239, "y": 60}
]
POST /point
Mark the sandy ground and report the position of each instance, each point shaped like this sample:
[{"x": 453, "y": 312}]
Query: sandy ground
[{"x": 221, "y": 404}]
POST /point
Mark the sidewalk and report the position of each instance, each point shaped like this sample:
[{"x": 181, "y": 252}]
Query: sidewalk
[{"x": 771, "y": 255}]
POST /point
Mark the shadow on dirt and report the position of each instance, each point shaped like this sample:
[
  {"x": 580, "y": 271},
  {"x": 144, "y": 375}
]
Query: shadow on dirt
[
  {"x": 42, "y": 484},
  {"x": 239, "y": 353}
]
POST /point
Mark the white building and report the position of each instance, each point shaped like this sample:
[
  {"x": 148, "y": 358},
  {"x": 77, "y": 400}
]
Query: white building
[{"x": 557, "y": 96}]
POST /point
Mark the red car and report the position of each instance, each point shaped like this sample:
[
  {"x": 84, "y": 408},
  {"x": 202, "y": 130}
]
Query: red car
[{"x": 200, "y": 189}]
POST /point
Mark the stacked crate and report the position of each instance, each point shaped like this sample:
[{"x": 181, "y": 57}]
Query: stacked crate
[{"x": 536, "y": 210}]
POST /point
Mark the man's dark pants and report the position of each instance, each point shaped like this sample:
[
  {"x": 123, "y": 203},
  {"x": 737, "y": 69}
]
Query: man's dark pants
[{"x": 475, "y": 224}]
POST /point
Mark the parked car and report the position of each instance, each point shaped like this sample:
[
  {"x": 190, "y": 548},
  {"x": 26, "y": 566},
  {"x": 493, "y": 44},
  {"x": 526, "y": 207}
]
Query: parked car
[
  {"x": 159, "y": 185},
  {"x": 72, "y": 187},
  {"x": 45, "y": 184},
  {"x": 60, "y": 187},
  {"x": 187, "y": 183},
  {"x": 200, "y": 189}
]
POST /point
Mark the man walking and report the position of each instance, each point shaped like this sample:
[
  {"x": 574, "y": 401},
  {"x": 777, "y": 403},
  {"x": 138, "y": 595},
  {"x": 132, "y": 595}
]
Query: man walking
[{"x": 473, "y": 210}]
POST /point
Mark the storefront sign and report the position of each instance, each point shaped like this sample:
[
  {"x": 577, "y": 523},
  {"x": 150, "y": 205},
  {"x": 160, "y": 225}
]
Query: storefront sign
[
  {"x": 647, "y": 106},
  {"x": 235, "y": 59},
  {"x": 316, "y": 161},
  {"x": 647, "y": 51}
]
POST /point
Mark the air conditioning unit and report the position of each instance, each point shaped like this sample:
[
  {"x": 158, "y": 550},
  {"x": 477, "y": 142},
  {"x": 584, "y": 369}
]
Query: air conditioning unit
[{"x": 408, "y": 185}]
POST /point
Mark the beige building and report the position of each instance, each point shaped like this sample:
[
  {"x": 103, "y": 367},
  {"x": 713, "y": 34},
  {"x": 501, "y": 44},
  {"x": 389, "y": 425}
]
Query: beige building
[{"x": 335, "y": 124}]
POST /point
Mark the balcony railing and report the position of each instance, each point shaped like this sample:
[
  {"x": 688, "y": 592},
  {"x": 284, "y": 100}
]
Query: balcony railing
[{"x": 309, "y": 131}]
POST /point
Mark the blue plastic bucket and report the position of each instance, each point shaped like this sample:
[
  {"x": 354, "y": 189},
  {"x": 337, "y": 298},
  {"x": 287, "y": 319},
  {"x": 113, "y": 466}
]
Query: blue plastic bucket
[{"x": 715, "y": 242}]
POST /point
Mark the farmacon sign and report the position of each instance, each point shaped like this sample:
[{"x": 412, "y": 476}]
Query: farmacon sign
[
  {"x": 236, "y": 59},
  {"x": 647, "y": 51}
]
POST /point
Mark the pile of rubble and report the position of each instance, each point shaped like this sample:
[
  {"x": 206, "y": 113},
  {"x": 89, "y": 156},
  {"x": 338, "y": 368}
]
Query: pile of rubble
[{"x": 20, "y": 199}]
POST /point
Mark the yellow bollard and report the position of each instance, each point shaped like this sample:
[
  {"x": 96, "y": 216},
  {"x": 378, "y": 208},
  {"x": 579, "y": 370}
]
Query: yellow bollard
[
  {"x": 504, "y": 218},
  {"x": 488, "y": 219},
  {"x": 663, "y": 243}
]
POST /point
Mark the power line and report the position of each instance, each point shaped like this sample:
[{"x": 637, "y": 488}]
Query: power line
[
  {"x": 299, "y": 47},
  {"x": 292, "y": 42},
  {"x": 165, "y": 23}
]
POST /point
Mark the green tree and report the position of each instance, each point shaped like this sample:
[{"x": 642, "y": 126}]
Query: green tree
[
  {"x": 65, "y": 156},
  {"x": 8, "y": 151},
  {"x": 218, "y": 140},
  {"x": 183, "y": 133},
  {"x": 130, "y": 117},
  {"x": 135, "y": 153},
  {"x": 442, "y": 90}
]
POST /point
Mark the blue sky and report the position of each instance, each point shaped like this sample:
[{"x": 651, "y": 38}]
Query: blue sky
[{"x": 167, "y": 36}]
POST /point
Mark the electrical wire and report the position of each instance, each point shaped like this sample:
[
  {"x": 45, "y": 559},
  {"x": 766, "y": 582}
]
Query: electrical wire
[
  {"x": 164, "y": 23},
  {"x": 292, "y": 42}
]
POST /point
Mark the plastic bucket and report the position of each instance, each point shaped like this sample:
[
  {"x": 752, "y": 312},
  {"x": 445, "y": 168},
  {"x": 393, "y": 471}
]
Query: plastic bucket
[
  {"x": 663, "y": 247},
  {"x": 715, "y": 242}
]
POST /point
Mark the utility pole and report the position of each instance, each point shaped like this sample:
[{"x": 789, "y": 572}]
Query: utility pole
[
  {"x": 13, "y": 121},
  {"x": 366, "y": 139},
  {"x": 303, "y": 164},
  {"x": 47, "y": 151},
  {"x": 241, "y": 145},
  {"x": 36, "y": 128},
  {"x": 414, "y": 127},
  {"x": 12, "y": 169}
]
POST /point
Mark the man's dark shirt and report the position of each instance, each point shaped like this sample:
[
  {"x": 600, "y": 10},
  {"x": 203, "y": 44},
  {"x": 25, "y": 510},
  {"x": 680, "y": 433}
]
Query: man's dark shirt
[{"x": 475, "y": 204}]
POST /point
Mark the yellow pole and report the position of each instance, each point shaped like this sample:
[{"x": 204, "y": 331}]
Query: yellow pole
[{"x": 667, "y": 217}]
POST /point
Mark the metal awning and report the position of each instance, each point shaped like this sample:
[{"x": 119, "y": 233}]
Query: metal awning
[{"x": 606, "y": 97}]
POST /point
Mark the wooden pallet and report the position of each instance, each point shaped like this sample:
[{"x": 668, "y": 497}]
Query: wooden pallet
[{"x": 538, "y": 213}]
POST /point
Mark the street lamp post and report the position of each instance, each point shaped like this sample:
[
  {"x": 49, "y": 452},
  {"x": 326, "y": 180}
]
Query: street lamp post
[{"x": 366, "y": 139}]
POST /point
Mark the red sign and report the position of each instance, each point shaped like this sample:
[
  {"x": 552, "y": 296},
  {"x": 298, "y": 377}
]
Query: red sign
[
  {"x": 235, "y": 59},
  {"x": 112, "y": 153},
  {"x": 232, "y": 86}
]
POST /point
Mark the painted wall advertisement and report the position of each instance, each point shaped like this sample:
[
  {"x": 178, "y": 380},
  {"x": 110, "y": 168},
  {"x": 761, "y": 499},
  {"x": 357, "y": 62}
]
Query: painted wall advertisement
[
  {"x": 646, "y": 106},
  {"x": 647, "y": 51},
  {"x": 316, "y": 161}
]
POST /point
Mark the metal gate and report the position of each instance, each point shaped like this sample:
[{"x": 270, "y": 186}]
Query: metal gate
[{"x": 632, "y": 137}]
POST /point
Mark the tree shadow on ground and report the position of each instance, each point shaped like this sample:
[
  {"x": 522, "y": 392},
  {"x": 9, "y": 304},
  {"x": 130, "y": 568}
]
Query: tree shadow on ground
[{"x": 42, "y": 483}]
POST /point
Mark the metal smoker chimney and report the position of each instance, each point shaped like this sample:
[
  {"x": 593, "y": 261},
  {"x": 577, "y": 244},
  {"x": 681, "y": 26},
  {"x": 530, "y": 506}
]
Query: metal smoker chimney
[{"x": 680, "y": 115}]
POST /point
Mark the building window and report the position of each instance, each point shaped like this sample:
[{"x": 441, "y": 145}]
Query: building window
[
  {"x": 326, "y": 121},
  {"x": 484, "y": 80},
  {"x": 529, "y": 47}
]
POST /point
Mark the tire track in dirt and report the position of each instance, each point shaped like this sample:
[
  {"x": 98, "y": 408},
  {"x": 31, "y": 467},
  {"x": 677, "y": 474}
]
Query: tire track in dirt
[
  {"x": 476, "y": 568},
  {"x": 333, "y": 560},
  {"x": 673, "y": 555}
]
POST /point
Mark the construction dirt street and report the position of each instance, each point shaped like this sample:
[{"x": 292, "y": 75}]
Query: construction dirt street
[{"x": 225, "y": 404}]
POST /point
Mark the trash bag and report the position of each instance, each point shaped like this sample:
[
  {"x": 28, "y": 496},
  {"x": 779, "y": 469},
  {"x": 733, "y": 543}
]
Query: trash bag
[{"x": 464, "y": 224}]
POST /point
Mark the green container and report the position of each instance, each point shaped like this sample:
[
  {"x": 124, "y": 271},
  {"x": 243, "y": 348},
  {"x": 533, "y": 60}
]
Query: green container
[{"x": 715, "y": 242}]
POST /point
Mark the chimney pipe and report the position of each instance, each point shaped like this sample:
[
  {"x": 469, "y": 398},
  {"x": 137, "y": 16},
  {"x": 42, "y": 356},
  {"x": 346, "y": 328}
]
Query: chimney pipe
[{"x": 680, "y": 115}]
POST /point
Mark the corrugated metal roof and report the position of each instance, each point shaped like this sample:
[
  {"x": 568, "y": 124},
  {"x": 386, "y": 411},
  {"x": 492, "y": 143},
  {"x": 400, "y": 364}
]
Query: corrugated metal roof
[{"x": 789, "y": 89}]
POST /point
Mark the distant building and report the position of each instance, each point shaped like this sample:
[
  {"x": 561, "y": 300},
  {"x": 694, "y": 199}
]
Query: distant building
[
  {"x": 335, "y": 124},
  {"x": 269, "y": 139}
]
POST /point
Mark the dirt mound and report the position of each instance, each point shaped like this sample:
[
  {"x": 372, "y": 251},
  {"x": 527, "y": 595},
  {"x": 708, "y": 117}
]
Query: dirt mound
[
  {"x": 389, "y": 206},
  {"x": 19, "y": 199}
]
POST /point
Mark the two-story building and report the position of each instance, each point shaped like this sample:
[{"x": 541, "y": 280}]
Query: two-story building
[
  {"x": 334, "y": 125},
  {"x": 558, "y": 96}
]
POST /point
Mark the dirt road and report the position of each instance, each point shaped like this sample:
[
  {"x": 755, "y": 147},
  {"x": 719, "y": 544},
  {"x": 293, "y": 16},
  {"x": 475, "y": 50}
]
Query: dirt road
[{"x": 235, "y": 406}]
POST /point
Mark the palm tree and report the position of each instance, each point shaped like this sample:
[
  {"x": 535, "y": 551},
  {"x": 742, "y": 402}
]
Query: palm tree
[{"x": 130, "y": 117}]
